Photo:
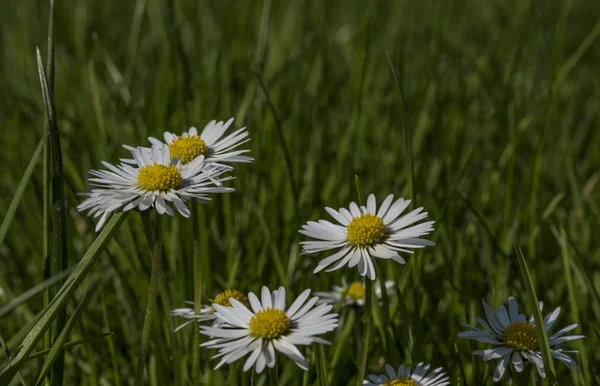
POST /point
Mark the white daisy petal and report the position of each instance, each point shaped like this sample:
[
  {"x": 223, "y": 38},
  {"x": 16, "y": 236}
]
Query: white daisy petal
[
  {"x": 150, "y": 180},
  {"x": 515, "y": 338},
  {"x": 267, "y": 329},
  {"x": 366, "y": 233},
  {"x": 420, "y": 376}
]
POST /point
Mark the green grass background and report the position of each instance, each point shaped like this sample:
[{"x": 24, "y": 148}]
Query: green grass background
[{"x": 501, "y": 105}]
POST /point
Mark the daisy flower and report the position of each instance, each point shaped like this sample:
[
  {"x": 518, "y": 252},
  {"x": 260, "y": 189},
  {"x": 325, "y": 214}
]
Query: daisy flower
[
  {"x": 366, "y": 233},
  {"x": 353, "y": 293},
  {"x": 207, "y": 312},
  {"x": 268, "y": 326},
  {"x": 516, "y": 340},
  {"x": 210, "y": 143},
  {"x": 406, "y": 377},
  {"x": 155, "y": 180}
]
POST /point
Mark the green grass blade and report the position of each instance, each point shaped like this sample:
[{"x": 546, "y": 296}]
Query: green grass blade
[
  {"x": 321, "y": 361},
  {"x": 25, "y": 296},
  {"x": 71, "y": 344},
  {"x": 282, "y": 144},
  {"x": 58, "y": 346},
  {"x": 537, "y": 315},
  {"x": 561, "y": 237},
  {"x": 59, "y": 260},
  {"x": 583, "y": 47},
  {"x": 64, "y": 295},
  {"x": 410, "y": 173},
  {"x": 10, "y": 213},
  {"x": 405, "y": 319}
]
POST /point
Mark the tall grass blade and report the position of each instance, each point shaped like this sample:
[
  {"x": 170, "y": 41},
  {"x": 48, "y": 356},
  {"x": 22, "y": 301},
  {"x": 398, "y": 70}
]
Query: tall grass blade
[
  {"x": 59, "y": 260},
  {"x": 65, "y": 294},
  {"x": 561, "y": 237},
  {"x": 14, "y": 204},
  {"x": 25, "y": 296},
  {"x": 537, "y": 315},
  {"x": 410, "y": 174},
  {"x": 321, "y": 362},
  {"x": 152, "y": 294},
  {"x": 283, "y": 146},
  {"x": 58, "y": 346},
  {"x": 70, "y": 344}
]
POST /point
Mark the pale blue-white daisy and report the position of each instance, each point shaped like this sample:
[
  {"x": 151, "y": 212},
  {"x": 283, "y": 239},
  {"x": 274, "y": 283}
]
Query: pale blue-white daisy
[
  {"x": 420, "y": 376},
  {"x": 516, "y": 339}
]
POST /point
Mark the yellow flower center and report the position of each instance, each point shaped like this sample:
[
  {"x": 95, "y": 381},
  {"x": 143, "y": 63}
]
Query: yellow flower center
[
  {"x": 521, "y": 336},
  {"x": 188, "y": 148},
  {"x": 223, "y": 298},
  {"x": 365, "y": 231},
  {"x": 356, "y": 291},
  {"x": 270, "y": 323},
  {"x": 159, "y": 177},
  {"x": 401, "y": 382}
]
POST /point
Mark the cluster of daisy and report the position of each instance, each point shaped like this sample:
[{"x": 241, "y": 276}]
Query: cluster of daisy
[
  {"x": 191, "y": 166},
  {"x": 183, "y": 168}
]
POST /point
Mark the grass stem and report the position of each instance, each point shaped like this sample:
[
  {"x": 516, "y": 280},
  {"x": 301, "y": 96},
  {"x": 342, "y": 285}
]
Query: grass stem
[
  {"x": 367, "y": 331},
  {"x": 150, "y": 305},
  {"x": 196, "y": 256}
]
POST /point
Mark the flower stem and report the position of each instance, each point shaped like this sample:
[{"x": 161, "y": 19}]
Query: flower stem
[
  {"x": 154, "y": 278},
  {"x": 367, "y": 331},
  {"x": 197, "y": 290}
]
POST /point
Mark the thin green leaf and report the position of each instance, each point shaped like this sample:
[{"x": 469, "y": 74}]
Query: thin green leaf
[
  {"x": 64, "y": 295},
  {"x": 71, "y": 344},
  {"x": 537, "y": 315},
  {"x": 561, "y": 237},
  {"x": 405, "y": 319},
  {"x": 12, "y": 208},
  {"x": 58, "y": 346},
  {"x": 410, "y": 174},
  {"x": 321, "y": 361},
  {"x": 25, "y": 296}
]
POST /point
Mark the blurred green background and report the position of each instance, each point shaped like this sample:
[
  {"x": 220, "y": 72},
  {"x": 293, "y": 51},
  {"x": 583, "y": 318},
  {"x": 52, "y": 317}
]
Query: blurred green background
[{"x": 501, "y": 107}]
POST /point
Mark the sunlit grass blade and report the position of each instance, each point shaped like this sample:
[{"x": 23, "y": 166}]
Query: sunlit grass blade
[
  {"x": 14, "y": 204},
  {"x": 24, "y": 297},
  {"x": 58, "y": 346},
  {"x": 542, "y": 336},
  {"x": 65, "y": 294}
]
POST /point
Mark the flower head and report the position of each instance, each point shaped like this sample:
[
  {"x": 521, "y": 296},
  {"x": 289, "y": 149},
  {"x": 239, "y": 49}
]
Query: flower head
[
  {"x": 516, "y": 340},
  {"x": 207, "y": 312},
  {"x": 406, "y": 377},
  {"x": 153, "y": 181},
  {"x": 209, "y": 144},
  {"x": 268, "y": 326},
  {"x": 365, "y": 233},
  {"x": 353, "y": 294}
]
